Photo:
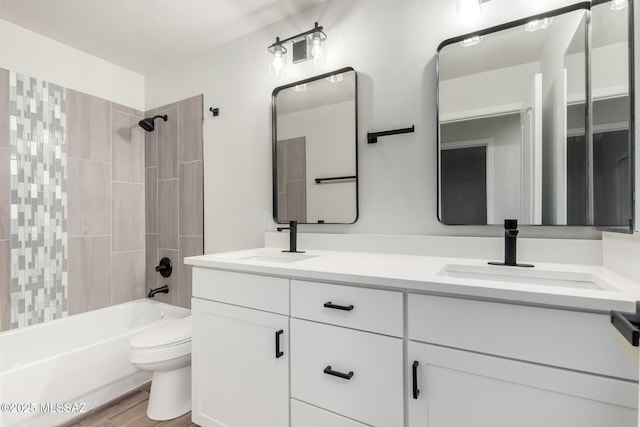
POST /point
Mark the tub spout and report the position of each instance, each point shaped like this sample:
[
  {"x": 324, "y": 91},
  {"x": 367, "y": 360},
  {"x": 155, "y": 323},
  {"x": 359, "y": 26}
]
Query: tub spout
[{"x": 162, "y": 289}]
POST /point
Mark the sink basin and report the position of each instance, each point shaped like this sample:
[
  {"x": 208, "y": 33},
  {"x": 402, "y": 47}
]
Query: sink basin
[
  {"x": 270, "y": 256},
  {"x": 529, "y": 276}
]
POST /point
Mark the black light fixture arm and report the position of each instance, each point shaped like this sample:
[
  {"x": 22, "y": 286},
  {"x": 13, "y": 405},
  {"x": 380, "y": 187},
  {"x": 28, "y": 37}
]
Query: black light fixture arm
[{"x": 315, "y": 29}]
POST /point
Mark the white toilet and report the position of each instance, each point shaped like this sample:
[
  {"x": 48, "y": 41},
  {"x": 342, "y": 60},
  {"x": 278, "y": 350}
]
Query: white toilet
[{"x": 165, "y": 350}]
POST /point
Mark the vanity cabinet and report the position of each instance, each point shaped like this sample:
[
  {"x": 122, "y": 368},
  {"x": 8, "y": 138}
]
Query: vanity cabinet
[
  {"x": 459, "y": 388},
  {"x": 340, "y": 361},
  {"x": 275, "y": 351},
  {"x": 240, "y": 355},
  {"x": 492, "y": 364}
]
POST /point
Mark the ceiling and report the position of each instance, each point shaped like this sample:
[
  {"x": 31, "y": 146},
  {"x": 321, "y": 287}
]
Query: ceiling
[{"x": 141, "y": 35}]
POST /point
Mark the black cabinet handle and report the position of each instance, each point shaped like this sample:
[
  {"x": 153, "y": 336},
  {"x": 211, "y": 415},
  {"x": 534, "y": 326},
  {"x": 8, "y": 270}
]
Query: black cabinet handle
[
  {"x": 338, "y": 307},
  {"x": 414, "y": 369},
  {"x": 278, "y": 352},
  {"x": 330, "y": 371}
]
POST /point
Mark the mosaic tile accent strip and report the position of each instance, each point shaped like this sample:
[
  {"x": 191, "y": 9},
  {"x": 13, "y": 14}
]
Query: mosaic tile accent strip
[{"x": 38, "y": 201}]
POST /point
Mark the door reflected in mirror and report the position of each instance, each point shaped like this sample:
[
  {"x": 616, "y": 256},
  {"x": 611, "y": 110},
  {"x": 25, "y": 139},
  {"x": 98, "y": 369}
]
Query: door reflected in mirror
[
  {"x": 314, "y": 150},
  {"x": 514, "y": 138}
]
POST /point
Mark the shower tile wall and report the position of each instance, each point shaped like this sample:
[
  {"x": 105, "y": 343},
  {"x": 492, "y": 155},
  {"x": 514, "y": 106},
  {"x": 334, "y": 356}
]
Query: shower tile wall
[
  {"x": 104, "y": 185},
  {"x": 38, "y": 168},
  {"x": 106, "y": 203},
  {"x": 5, "y": 204},
  {"x": 174, "y": 195}
]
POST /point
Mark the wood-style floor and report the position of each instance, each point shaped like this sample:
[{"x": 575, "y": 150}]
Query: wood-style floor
[{"x": 129, "y": 410}]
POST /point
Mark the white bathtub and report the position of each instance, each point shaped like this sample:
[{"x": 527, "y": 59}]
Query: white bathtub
[{"x": 81, "y": 361}]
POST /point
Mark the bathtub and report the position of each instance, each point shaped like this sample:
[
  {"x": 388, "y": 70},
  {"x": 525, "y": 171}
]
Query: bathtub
[{"x": 57, "y": 370}]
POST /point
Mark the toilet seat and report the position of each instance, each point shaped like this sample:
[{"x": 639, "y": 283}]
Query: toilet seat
[
  {"x": 166, "y": 341},
  {"x": 169, "y": 333}
]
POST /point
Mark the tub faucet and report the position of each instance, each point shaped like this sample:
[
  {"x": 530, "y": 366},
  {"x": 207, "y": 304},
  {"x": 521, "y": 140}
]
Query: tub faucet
[
  {"x": 161, "y": 290},
  {"x": 293, "y": 236},
  {"x": 510, "y": 239}
]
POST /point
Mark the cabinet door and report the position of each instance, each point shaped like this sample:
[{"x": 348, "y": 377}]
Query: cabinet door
[
  {"x": 459, "y": 388},
  {"x": 240, "y": 363}
]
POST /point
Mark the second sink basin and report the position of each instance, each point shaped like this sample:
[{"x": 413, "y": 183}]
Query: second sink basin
[{"x": 530, "y": 276}]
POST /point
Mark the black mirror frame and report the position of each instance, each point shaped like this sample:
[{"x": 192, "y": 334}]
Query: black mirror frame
[{"x": 274, "y": 134}]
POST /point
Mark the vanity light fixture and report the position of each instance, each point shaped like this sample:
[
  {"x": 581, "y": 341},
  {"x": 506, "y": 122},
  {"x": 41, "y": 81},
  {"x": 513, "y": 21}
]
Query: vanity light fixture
[
  {"x": 306, "y": 45},
  {"x": 619, "y": 4},
  {"x": 471, "y": 41},
  {"x": 538, "y": 24}
]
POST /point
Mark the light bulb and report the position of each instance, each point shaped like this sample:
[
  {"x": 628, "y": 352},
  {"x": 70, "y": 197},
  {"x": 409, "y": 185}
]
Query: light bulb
[
  {"x": 316, "y": 50},
  {"x": 278, "y": 63}
]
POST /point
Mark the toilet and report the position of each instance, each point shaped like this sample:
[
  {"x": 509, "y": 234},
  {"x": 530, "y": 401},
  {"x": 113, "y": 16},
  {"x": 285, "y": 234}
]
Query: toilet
[{"x": 165, "y": 350}]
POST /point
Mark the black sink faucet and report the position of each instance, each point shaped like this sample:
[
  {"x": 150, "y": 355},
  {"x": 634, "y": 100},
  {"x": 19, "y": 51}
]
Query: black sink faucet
[
  {"x": 293, "y": 236},
  {"x": 510, "y": 236}
]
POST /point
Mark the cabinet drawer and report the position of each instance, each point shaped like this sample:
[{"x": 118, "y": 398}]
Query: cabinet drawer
[
  {"x": 247, "y": 290},
  {"x": 303, "y": 415},
  {"x": 569, "y": 339},
  {"x": 372, "y": 310},
  {"x": 373, "y": 394}
]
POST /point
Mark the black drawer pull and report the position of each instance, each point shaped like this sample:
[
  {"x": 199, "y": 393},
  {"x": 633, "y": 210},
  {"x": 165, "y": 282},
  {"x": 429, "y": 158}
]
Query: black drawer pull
[
  {"x": 414, "y": 369},
  {"x": 338, "y": 307},
  {"x": 278, "y": 352},
  {"x": 330, "y": 371}
]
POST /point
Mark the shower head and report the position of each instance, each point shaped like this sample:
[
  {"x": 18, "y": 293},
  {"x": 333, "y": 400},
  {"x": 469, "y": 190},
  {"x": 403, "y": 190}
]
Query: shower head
[{"x": 148, "y": 124}]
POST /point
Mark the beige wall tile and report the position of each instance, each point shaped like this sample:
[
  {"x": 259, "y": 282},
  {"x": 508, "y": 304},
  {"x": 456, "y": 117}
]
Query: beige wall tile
[
  {"x": 89, "y": 273},
  {"x": 88, "y": 126},
  {"x": 189, "y": 246},
  {"x": 127, "y": 148},
  {"x": 167, "y": 144},
  {"x": 190, "y": 129},
  {"x": 173, "y": 281},
  {"x": 151, "y": 200},
  {"x": 191, "y": 199},
  {"x": 168, "y": 214},
  {"x": 152, "y": 259},
  {"x": 127, "y": 110},
  {"x": 5, "y": 285},
  {"x": 89, "y": 197},
  {"x": 150, "y": 144},
  {"x": 128, "y": 217},
  {"x": 127, "y": 279},
  {"x": 4, "y": 109},
  {"x": 5, "y": 193}
]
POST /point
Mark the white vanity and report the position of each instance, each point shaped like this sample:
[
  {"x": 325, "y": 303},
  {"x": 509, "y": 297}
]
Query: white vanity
[{"x": 345, "y": 339}]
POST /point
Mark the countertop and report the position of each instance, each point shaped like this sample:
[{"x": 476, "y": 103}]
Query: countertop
[{"x": 424, "y": 274}]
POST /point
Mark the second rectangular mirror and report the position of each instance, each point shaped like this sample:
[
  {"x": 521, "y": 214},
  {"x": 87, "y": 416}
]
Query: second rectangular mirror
[{"x": 514, "y": 140}]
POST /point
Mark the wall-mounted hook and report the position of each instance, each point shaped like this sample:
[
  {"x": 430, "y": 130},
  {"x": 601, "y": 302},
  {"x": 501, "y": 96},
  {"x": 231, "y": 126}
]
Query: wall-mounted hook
[{"x": 215, "y": 111}]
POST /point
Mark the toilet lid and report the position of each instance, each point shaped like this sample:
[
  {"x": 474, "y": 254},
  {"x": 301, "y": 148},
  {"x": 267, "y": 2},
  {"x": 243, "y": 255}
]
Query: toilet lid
[{"x": 167, "y": 333}]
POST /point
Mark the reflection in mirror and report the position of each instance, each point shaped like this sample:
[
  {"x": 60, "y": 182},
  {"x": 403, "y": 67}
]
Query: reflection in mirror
[
  {"x": 315, "y": 151},
  {"x": 513, "y": 139},
  {"x": 611, "y": 115}
]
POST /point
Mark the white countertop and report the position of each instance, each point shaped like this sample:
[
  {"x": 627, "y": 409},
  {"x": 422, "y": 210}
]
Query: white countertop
[{"x": 424, "y": 274}]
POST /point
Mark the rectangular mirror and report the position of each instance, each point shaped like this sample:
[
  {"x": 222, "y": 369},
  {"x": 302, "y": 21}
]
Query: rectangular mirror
[
  {"x": 315, "y": 173},
  {"x": 515, "y": 138}
]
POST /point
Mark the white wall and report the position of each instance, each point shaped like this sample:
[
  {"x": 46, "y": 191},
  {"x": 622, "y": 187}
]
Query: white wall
[
  {"x": 326, "y": 130},
  {"x": 392, "y": 45},
  {"x": 489, "y": 92},
  {"x": 26, "y": 52}
]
